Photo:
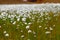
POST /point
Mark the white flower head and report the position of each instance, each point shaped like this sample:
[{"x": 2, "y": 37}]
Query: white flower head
[
  {"x": 34, "y": 35},
  {"x": 40, "y": 26},
  {"x": 0, "y": 26},
  {"x": 46, "y": 18},
  {"x": 27, "y": 27},
  {"x": 25, "y": 22},
  {"x": 18, "y": 19},
  {"x": 47, "y": 32},
  {"x": 9, "y": 16},
  {"x": 32, "y": 18},
  {"x": 12, "y": 16},
  {"x": 51, "y": 28},
  {"x": 47, "y": 13},
  {"x": 54, "y": 25},
  {"x": 4, "y": 14},
  {"x": 24, "y": 19},
  {"x": 14, "y": 22},
  {"x": 45, "y": 27},
  {"x": 41, "y": 14},
  {"x": 22, "y": 36},
  {"x": 29, "y": 23},
  {"x": 29, "y": 31},
  {"x": 21, "y": 30},
  {"x": 6, "y": 34},
  {"x": 28, "y": 39}
]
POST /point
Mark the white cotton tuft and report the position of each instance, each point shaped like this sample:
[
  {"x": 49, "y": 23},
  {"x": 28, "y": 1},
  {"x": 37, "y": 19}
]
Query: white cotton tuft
[
  {"x": 29, "y": 31},
  {"x": 7, "y": 35},
  {"x": 22, "y": 36},
  {"x": 27, "y": 27},
  {"x": 24, "y": 19},
  {"x": 47, "y": 32}
]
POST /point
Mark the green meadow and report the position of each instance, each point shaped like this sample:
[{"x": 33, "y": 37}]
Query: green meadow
[{"x": 29, "y": 26}]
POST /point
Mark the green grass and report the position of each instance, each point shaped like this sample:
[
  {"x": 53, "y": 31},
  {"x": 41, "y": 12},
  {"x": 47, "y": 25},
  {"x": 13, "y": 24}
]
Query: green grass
[{"x": 18, "y": 29}]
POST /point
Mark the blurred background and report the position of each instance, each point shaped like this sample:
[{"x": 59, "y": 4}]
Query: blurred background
[{"x": 28, "y": 1}]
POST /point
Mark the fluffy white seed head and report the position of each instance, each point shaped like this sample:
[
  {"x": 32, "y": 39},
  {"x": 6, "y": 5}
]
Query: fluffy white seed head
[
  {"x": 54, "y": 25},
  {"x": 22, "y": 36},
  {"x": 40, "y": 26},
  {"x": 27, "y": 27},
  {"x": 25, "y": 22},
  {"x": 14, "y": 22},
  {"x": 0, "y": 26},
  {"x": 24, "y": 19},
  {"x": 6, "y": 34},
  {"x": 34, "y": 35},
  {"x": 18, "y": 19},
  {"x": 29, "y": 23},
  {"x": 45, "y": 27},
  {"x": 28, "y": 39},
  {"x": 29, "y": 31},
  {"x": 47, "y": 32},
  {"x": 51, "y": 28},
  {"x": 3, "y": 13},
  {"x": 21, "y": 30}
]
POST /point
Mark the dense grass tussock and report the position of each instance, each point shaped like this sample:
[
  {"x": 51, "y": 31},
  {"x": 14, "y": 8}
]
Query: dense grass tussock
[{"x": 33, "y": 25}]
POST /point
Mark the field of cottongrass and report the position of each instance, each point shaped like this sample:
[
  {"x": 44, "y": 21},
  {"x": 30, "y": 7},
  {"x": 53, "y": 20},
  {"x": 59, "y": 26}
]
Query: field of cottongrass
[{"x": 33, "y": 25}]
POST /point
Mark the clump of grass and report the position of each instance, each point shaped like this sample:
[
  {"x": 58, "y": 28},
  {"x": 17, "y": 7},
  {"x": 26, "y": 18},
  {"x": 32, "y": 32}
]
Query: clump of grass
[{"x": 32, "y": 25}]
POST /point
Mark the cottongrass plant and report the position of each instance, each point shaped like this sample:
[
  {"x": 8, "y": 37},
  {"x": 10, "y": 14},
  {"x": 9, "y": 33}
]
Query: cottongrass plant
[{"x": 32, "y": 25}]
